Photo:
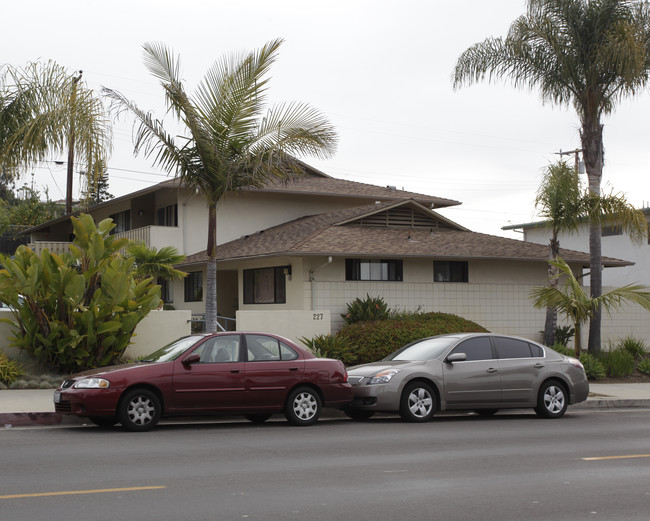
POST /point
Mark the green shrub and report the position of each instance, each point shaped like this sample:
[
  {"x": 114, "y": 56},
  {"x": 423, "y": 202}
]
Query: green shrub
[
  {"x": 644, "y": 366},
  {"x": 594, "y": 368},
  {"x": 373, "y": 341},
  {"x": 331, "y": 346},
  {"x": 563, "y": 349},
  {"x": 564, "y": 334},
  {"x": 368, "y": 309},
  {"x": 635, "y": 346},
  {"x": 618, "y": 363},
  {"x": 10, "y": 370}
]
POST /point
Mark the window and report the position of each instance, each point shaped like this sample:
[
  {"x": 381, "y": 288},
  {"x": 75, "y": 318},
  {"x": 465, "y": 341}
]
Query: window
[
  {"x": 266, "y": 285},
  {"x": 479, "y": 348},
  {"x": 512, "y": 348},
  {"x": 450, "y": 271},
  {"x": 194, "y": 286},
  {"x": 219, "y": 349},
  {"x": 611, "y": 230},
  {"x": 372, "y": 269},
  {"x": 266, "y": 348},
  {"x": 168, "y": 216},
  {"x": 122, "y": 222}
]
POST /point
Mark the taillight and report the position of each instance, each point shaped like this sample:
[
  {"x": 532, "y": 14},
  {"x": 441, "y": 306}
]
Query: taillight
[{"x": 575, "y": 363}]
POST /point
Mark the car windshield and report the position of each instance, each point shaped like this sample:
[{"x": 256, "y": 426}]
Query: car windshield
[
  {"x": 426, "y": 349},
  {"x": 174, "y": 350}
]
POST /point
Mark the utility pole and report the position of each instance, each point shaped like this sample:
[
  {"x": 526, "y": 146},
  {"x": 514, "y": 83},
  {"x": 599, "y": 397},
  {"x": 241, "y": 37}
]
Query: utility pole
[
  {"x": 71, "y": 138},
  {"x": 576, "y": 152}
]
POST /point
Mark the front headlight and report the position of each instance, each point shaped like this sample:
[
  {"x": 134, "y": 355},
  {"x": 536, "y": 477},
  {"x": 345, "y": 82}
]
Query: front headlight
[
  {"x": 92, "y": 383},
  {"x": 384, "y": 377}
]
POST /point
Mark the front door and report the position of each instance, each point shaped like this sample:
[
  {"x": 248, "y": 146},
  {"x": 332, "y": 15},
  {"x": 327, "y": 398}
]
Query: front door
[
  {"x": 216, "y": 381},
  {"x": 474, "y": 382}
]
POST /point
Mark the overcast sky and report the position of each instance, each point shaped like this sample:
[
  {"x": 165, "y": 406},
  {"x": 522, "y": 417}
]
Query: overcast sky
[{"x": 380, "y": 70}]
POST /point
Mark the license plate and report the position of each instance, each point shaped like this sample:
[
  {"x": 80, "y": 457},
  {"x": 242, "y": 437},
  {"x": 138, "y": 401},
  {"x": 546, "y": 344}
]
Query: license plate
[{"x": 57, "y": 396}]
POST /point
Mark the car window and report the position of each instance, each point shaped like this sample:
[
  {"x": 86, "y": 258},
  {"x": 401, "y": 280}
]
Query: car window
[
  {"x": 478, "y": 348},
  {"x": 174, "y": 350},
  {"x": 536, "y": 351},
  {"x": 266, "y": 348},
  {"x": 219, "y": 349},
  {"x": 426, "y": 349},
  {"x": 512, "y": 348}
]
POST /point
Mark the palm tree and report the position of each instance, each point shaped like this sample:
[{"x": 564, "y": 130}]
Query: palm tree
[
  {"x": 587, "y": 53},
  {"x": 564, "y": 205},
  {"x": 156, "y": 263},
  {"x": 48, "y": 111},
  {"x": 229, "y": 141},
  {"x": 571, "y": 299}
]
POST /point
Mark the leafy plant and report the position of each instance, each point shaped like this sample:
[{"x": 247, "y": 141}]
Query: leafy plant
[
  {"x": 331, "y": 346},
  {"x": 76, "y": 311},
  {"x": 635, "y": 346},
  {"x": 564, "y": 334},
  {"x": 563, "y": 349},
  {"x": 618, "y": 363},
  {"x": 368, "y": 309},
  {"x": 373, "y": 341},
  {"x": 644, "y": 366},
  {"x": 10, "y": 370},
  {"x": 594, "y": 368}
]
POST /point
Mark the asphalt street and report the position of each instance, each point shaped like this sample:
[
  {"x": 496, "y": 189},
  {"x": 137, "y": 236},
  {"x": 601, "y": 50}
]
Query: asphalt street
[{"x": 591, "y": 464}]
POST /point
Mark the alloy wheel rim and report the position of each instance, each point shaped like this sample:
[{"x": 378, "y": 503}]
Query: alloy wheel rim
[
  {"x": 305, "y": 406},
  {"x": 141, "y": 411},
  {"x": 420, "y": 403},
  {"x": 554, "y": 399}
]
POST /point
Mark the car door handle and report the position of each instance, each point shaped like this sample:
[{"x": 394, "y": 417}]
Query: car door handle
[
  {"x": 492, "y": 370},
  {"x": 236, "y": 371},
  {"x": 293, "y": 369},
  {"x": 538, "y": 365}
]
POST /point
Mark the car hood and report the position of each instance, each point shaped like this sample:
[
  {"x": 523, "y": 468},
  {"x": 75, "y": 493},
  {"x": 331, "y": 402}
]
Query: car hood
[
  {"x": 108, "y": 369},
  {"x": 377, "y": 367}
]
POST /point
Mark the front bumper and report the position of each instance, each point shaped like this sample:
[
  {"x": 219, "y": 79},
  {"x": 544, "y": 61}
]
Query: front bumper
[{"x": 87, "y": 402}]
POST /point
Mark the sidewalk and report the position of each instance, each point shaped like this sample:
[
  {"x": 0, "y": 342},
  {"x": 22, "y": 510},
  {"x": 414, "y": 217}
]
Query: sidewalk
[{"x": 22, "y": 408}]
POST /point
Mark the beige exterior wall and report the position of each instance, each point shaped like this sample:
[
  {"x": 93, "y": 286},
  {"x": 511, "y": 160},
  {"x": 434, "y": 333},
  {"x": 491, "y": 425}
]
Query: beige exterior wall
[{"x": 293, "y": 325}]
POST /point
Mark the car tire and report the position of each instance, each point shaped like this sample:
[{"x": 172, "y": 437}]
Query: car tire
[
  {"x": 105, "y": 422},
  {"x": 257, "y": 418},
  {"x": 359, "y": 414},
  {"x": 418, "y": 403},
  {"x": 552, "y": 400},
  {"x": 139, "y": 410},
  {"x": 303, "y": 406}
]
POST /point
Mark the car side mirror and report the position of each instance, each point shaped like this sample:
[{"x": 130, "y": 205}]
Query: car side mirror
[
  {"x": 191, "y": 359},
  {"x": 456, "y": 357}
]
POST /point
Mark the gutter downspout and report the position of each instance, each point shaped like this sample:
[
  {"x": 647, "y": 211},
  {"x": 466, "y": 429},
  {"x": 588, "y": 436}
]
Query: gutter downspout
[{"x": 312, "y": 280}]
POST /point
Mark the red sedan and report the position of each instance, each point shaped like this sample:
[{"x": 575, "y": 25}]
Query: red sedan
[{"x": 254, "y": 374}]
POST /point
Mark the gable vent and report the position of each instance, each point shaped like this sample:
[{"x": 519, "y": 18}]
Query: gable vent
[{"x": 401, "y": 217}]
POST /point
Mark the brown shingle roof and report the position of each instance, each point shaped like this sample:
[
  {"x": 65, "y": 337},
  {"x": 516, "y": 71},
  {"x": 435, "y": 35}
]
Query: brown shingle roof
[{"x": 335, "y": 233}]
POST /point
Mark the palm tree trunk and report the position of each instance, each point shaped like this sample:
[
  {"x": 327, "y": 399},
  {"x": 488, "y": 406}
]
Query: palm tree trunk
[
  {"x": 592, "y": 150},
  {"x": 211, "y": 276},
  {"x": 551, "y": 315}
]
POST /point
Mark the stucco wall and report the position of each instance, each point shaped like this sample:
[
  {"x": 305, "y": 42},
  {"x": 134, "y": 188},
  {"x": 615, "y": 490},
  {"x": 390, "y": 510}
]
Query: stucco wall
[{"x": 293, "y": 325}]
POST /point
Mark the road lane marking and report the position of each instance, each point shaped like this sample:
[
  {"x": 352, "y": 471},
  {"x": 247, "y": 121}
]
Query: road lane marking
[
  {"x": 76, "y": 492},
  {"x": 629, "y": 456}
]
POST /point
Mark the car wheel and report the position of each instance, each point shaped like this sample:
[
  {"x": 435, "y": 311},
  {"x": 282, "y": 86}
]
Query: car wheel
[
  {"x": 103, "y": 421},
  {"x": 359, "y": 414},
  {"x": 486, "y": 412},
  {"x": 552, "y": 400},
  {"x": 303, "y": 406},
  {"x": 418, "y": 402},
  {"x": 139, "y": 410},
  {"x": 257, "y": 418}
]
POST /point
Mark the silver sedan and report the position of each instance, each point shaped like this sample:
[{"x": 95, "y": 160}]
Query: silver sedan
[{"x": 467, "y": 371}]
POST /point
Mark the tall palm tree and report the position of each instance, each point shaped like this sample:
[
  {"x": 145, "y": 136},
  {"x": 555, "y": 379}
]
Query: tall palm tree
[
  {"x": 588, "y": 53},
  {"x": 564, "y": 205},
  {"x": 230, "y": 141},
  {"x": 49, "y": 111},
  {"x": 572, "y": 300}
]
